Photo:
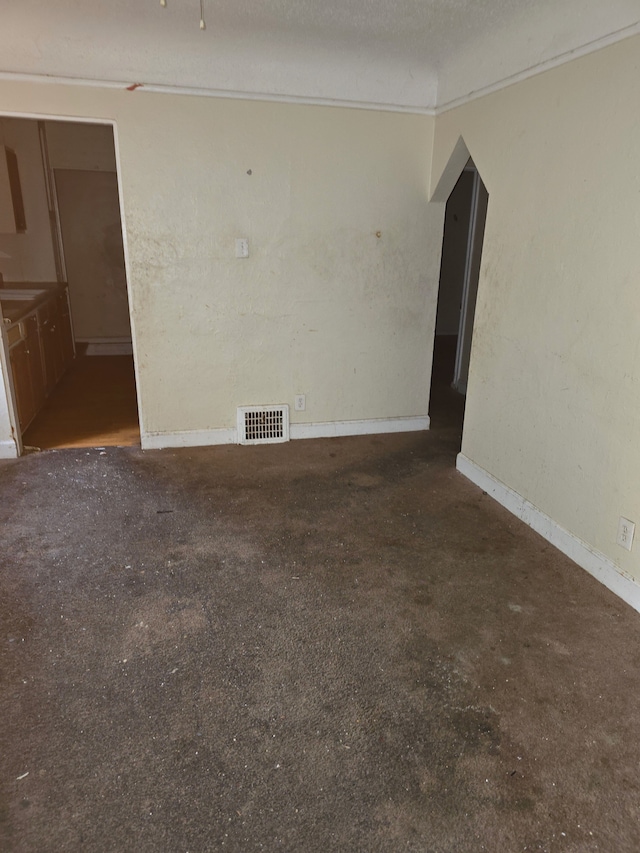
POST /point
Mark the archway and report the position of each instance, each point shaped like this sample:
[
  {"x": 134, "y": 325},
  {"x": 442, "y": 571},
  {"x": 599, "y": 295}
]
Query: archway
[{"x": 465, "y": 215}]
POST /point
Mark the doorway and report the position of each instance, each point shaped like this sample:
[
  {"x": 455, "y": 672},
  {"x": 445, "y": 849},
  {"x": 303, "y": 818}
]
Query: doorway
[
  {"x": 73, "y": 246},
  {"x": 465, "y": 216}
]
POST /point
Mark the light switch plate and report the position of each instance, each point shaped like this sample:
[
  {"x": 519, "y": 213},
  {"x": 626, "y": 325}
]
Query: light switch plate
[{"x": 242, "y": 247}]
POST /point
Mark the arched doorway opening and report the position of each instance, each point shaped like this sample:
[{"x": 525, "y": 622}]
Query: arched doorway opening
[{"x": 465, "y": 216}]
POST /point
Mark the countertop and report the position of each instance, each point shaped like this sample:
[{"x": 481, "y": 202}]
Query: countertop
[{"x": 15, "y": 308}]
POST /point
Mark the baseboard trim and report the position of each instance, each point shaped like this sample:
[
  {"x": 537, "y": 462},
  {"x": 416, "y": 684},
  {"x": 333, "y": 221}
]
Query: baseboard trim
[
  {"x": 8, "y": 449},
  {"x": 188, "y": 438},
  {"x": 374, "y": 426},
  {"x": 330, "y": 429},
  {"x": 107, "y": 346},
  {"x": 593, "y": 561}
]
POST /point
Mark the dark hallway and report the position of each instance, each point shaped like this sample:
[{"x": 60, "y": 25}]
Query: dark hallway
[
  {"x": 462, "y": 242},
  {"x": 446, "y": 405}
]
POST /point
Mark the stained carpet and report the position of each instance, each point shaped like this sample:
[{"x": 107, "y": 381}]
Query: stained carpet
[{"x": 332, "y": 645}]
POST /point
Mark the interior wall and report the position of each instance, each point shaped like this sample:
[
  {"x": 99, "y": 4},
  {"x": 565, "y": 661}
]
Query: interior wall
[
  {"x": 28, "y": 256},
  {"x": 337, "y": 298},
  {"x": 553, "y": 403}
]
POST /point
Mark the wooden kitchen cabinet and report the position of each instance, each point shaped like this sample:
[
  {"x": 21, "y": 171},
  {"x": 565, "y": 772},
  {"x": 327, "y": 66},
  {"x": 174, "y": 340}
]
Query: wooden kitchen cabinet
[
  {"x": 28, "y": 373},
  {"x": 19, "y": 356},
  {"x": 56, "y": 338},
  {"x": 41, "y": 347},
  {"x": 50, "y": 334},
  {"x": 36, "y": 371}
]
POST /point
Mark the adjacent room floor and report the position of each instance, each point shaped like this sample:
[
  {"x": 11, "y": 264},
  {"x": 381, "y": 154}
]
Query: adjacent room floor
[
  {"x": 332, "y": 645},
  {"x": 94, "y": 405}
]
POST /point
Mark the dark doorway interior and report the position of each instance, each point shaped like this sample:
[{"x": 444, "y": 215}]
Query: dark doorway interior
[{"x": 465, "y": 216}]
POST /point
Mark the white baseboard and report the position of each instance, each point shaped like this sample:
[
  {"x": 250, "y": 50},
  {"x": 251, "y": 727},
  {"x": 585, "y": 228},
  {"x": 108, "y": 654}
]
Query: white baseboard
[
  {"x": 330, "y": 429},
  {"x": 333, "y": 429},
  {"x": 188, "y": 438},
  {"x": 596, "y": 563},
  {"x": 8, "y": 449},
  {"x": 107, "y": 346}
]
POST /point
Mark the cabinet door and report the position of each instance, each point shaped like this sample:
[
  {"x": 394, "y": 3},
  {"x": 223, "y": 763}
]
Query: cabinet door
[
  {"x": 36, "y": 369},
  {"x": 19, "y": 356}
]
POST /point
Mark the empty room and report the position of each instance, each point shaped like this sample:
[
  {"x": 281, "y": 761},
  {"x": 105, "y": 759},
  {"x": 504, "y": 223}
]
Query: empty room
[{"x": 318, "y": 426}]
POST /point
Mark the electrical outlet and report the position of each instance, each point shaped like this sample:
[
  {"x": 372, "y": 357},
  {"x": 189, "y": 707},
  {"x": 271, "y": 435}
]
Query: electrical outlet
[
  {"x": 626, "y": 530},
  {"x": 300, "y": 403},
  {"x": 242, "y": 247}
]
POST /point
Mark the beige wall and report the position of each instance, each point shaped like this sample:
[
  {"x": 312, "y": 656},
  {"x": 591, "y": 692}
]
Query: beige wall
[
  {"x": 30, "y": 254},
  {"x": 553, "y": 405},
  {"x": 322, "y": 306}
]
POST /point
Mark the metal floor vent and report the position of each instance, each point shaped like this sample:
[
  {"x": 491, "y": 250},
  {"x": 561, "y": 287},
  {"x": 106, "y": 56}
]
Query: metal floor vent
[{"x": 263, "y": 424}]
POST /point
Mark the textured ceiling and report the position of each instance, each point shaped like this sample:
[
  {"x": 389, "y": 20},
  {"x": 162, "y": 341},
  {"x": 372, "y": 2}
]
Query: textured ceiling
[{"x": 415, "y": 54}]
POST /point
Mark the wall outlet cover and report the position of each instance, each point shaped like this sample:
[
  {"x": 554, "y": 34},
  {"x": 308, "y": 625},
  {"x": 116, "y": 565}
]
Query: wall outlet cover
[{"x": 626, "y": 531}]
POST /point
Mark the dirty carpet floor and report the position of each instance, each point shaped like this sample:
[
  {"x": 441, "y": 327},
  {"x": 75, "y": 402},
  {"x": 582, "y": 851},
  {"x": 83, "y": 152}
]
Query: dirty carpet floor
[{"x": 333, "y": 645}]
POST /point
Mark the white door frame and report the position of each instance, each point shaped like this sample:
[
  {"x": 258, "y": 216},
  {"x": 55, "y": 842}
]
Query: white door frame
[
  {"x": 459, "y": 385},
  {"x": 5, "y": 365}
]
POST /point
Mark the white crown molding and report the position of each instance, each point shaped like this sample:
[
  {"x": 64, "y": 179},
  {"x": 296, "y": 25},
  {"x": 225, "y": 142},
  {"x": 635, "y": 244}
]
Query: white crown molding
[
  {"x": 588, "y": 558},
  {"x": 237, "y": 95},
  {"x": 540, "y": 68},
  {"x": 437, "y": 109}
]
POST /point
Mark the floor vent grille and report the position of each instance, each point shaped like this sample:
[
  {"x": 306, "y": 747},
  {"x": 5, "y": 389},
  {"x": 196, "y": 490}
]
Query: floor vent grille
[{"x": 263, "y": 424}]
